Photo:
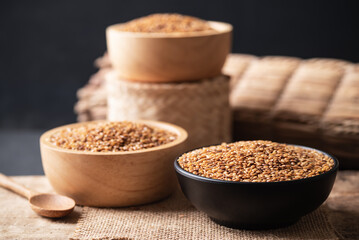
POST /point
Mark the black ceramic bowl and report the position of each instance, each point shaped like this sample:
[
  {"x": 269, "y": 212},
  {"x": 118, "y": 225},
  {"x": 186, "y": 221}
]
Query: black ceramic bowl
[{"x": 257, "y": 205}]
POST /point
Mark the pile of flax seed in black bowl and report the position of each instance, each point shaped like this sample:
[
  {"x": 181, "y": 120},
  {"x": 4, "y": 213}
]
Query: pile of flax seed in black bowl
[{"x": 256, "y": 184}]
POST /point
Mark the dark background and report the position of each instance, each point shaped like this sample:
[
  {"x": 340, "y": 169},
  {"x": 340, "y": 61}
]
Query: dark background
[{"x": 47, "y": 50}]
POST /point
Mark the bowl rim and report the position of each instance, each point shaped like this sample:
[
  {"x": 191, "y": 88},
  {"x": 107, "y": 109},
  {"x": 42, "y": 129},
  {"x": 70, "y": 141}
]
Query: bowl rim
[
  {"x": 181, "y": 133},
  {"x": 185, "y": 173},
  {"x": 219, "y": 27}
]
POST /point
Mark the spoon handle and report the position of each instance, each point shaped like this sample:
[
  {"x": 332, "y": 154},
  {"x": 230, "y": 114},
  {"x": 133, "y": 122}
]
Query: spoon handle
[{"x": 9, "y": 184}]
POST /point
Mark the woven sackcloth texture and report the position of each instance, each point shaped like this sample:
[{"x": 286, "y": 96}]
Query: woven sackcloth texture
[
  {"x": 176, "y": 218},
  {"x": 18, "y": 221},
  {"x": 200, "y": 107}
]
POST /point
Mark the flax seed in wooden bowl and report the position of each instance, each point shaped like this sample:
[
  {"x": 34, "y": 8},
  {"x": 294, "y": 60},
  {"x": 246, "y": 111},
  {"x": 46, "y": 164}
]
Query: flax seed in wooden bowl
[
  {"x": 256, "y": 184},
  {"x": 168, "y": 48},
  {"x": 112, "y": 164}
]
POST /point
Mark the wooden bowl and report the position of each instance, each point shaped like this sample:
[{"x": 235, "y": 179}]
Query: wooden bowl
[
  {"x": 113, "y": 179},
  {"x": 169, "y": 57}
]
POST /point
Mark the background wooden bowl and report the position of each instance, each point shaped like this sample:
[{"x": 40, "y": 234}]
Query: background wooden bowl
[
  {"x": 169, "y": 57},
  {"x": 113, "y": 179}
]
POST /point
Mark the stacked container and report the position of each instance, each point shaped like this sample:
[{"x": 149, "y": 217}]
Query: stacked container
[{"x": 173, "y": 77}]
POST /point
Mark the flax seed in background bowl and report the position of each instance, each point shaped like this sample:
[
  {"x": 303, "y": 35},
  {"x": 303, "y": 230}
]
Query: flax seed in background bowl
[
  {"x": 112, "y": 164},
  {"x": 256, "y": 184},
  {"x": 168, "y": 48}
]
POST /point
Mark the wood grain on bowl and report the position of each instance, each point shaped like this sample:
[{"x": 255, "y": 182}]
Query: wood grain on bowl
[
  {"x": 113, "y": 179},
  {"x": 169, "y": 57}
]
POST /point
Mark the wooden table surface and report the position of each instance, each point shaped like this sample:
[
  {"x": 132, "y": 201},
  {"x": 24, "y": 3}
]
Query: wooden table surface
[{"x": 18, "y": 221}]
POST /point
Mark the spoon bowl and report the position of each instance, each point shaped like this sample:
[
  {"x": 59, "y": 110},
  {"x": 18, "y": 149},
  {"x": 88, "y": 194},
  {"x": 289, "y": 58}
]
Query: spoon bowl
[{"x": 51, "y": 205}]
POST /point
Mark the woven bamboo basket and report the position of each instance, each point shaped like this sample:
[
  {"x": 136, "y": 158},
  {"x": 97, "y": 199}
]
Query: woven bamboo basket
[{"x": 201, "y": 107}]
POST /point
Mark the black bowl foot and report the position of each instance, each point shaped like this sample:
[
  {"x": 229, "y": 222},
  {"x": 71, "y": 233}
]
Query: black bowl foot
[{"x": 261, "y": 226}]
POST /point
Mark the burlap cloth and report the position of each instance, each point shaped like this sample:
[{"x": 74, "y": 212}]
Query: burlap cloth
[
  {"x": 176, "y": 218},
  {"x": 173, "y": 218},
  {"x": 200, "y": 107}
]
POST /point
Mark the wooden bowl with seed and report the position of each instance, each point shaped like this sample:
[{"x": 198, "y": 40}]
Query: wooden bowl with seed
[
  {"x": 169, "y": 57},
  {"x": 257, "y": 205},
  {"x": 113, "y": 179}
]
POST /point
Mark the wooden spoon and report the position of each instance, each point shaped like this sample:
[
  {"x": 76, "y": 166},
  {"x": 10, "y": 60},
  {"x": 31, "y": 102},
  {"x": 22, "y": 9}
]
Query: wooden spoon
[{"x": 44, "y": 204}]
